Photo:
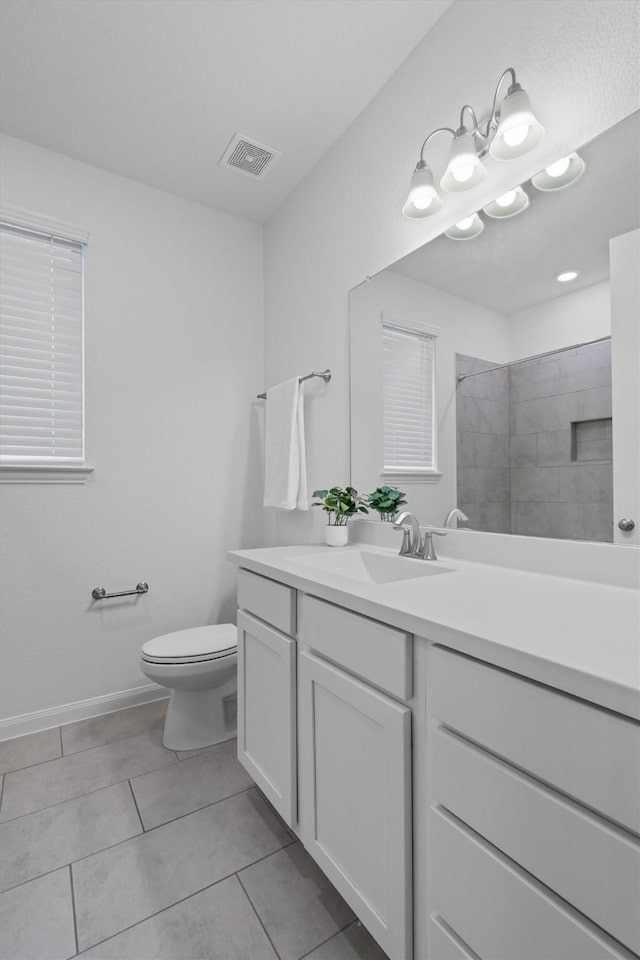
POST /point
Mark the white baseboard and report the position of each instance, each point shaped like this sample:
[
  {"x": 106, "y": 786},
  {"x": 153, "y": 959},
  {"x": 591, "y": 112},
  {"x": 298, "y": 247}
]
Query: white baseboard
[{"x": 80, "y": 710}]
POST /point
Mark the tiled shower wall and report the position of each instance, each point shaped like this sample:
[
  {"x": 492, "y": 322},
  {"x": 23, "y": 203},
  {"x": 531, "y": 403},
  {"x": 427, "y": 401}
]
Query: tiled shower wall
[
  {"x": 558, "y": 445},
  {"x": 482, "y": 445}
]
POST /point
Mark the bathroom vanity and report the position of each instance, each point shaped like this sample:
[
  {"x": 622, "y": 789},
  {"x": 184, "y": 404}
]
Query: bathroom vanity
[{"x": 457, "y": 745}]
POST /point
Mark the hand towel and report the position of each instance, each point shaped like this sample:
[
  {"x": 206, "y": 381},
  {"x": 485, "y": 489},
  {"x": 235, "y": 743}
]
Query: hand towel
[{"x": 285, "y": 467}]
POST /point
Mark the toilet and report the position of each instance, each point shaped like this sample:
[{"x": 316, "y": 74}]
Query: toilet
[{"x": 199, "y": 667}]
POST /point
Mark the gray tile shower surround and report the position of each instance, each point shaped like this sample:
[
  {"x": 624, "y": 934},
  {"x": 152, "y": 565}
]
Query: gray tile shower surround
[
  {"x": 522, "y": 467},
  {"x": 114, "y": 847}
]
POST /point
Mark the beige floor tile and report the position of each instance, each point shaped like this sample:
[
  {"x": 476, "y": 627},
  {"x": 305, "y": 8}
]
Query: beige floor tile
[
  {"x": 354, "y": 943},
  {"x": 36, "y": 919},
  {"x": 51, "y": 838},
  {"x": 296, "y": 903},
  {"x": 218, "y": 924},
  {"x": 32, "y": 748},
  {"x": 134, "y": 880},
  {"x": 184, "y": 787},
  {"x": 26, "y": 791},
  {"x": 96, "y": 731}
]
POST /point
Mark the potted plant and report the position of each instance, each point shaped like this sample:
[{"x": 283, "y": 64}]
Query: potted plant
[
  {"x": 339, "y": 504},
  {"x": 386, "y": 501}
]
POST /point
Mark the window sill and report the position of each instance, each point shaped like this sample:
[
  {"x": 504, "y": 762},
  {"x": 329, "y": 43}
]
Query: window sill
[
  {"x": 411, "y": 476},
  {"x": 23, "y": 474}
]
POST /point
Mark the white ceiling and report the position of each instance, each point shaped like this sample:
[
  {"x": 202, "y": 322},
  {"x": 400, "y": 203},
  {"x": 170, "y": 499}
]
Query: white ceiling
[
  {"x": 512, "y": 265},
  {"x": 154, "y": 89}
]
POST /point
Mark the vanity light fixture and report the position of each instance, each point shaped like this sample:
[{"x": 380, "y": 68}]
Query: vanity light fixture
[
  {"x": 423, "y": 199},
  {"x": 567, "y": 276},
  {"x": 466, "y": 229},
  {"x": 508, "y": 205},
  {"x": 511, "y": 131},
  {"x": 560, "y": 174}
]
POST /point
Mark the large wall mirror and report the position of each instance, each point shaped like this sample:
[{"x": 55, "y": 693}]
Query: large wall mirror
[{"x": 482, "y": 378}]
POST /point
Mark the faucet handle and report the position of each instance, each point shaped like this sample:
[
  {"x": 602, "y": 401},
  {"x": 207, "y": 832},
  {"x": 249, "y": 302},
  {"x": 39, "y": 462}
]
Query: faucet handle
[
  {"x": 405, "y": 549},
  {"x": 427, "y": 549}
]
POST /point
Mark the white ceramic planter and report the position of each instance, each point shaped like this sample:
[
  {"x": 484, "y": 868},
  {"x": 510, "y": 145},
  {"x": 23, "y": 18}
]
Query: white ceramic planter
[{"x": 336, "y": 536}]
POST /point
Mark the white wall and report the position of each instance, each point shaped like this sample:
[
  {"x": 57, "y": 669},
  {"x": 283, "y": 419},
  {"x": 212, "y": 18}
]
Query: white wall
[
  {"x": 573, "y": 318},
  {"x": 578, "y": 61},
  {"x": 624, "y": 252},
  {"x": 464, "y": 327},
  {"x": 173, "y": 360}
]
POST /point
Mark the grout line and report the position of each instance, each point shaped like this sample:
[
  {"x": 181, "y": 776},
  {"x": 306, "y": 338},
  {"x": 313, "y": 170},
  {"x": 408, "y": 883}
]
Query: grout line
[
  {"x": 135, "y": 803},
  {"x": 138, "y": 835},
  {"x": 98, "y": 746},
  {"x": 252, "y": 905},
  {"x": 73, "y": 909},
  {"x": 165, "y": 823},
  {"x": 106, "y": 786},
  {"x": 208, "y": 886},
  {"x": 351, "y": 923}
]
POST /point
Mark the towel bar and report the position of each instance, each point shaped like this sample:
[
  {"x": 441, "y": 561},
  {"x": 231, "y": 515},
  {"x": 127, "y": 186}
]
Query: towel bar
[
  {"x": 324, "y": 375},
  {"x": 99, "y": 593}
]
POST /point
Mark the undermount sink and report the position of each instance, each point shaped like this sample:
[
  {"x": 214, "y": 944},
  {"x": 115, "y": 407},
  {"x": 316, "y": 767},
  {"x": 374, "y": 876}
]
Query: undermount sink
[{"x": 369, "y": 567}]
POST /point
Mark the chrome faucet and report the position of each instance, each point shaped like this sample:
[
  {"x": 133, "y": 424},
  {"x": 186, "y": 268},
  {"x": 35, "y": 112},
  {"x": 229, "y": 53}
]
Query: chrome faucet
[
  {"x": 412, "y": 543},
  {"x": 411, "y": 538},
  {"x": 454, "y": 515}
]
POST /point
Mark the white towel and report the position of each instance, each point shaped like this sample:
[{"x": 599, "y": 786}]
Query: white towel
[{"x": 285, "y": 466}]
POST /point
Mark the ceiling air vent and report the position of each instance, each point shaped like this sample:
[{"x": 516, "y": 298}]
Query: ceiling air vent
[{"x": 249, "y": 157}]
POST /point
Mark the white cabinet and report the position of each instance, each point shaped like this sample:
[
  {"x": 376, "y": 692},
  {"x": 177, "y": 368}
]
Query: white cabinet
[
  {"x": 355, "y": 796},
  {"x": 533, "y": 819},
  {"x": 267, "y": 711}
]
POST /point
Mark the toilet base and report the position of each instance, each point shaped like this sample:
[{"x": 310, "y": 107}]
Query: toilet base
[{"x": 196, "y": 718}]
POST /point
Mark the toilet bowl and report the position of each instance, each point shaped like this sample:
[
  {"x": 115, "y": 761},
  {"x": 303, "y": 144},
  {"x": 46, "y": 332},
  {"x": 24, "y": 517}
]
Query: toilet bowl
[{"x": 199, "y": 667}]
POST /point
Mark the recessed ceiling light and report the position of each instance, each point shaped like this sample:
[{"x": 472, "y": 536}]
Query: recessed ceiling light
[{"x": 567, "y": 276}]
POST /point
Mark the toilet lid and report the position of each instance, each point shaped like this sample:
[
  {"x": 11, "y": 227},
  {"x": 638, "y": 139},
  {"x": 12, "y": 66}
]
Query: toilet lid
[{"x": 196, "y": 642}]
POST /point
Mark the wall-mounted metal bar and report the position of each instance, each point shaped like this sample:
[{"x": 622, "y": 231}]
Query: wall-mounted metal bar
[
  {"x": 536, "y": 356},
  {"x": 99, "y": 593},
  {"x": 324, "y": 375}
]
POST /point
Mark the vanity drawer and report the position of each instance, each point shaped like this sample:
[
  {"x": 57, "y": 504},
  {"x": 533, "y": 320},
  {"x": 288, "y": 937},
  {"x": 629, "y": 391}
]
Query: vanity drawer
[
  {"x": 497, "y": 910},
  {"x": 594, "y": 867},
  {"x": 585, "y": 751},
  {"x": 270, "y": 601},
  {"x": 442, "y": 944},
  {"x": 377, "y": 653}
]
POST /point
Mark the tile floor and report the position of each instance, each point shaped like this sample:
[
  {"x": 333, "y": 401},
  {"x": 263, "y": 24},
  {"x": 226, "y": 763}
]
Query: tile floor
[{"x": 115, "y": 847}]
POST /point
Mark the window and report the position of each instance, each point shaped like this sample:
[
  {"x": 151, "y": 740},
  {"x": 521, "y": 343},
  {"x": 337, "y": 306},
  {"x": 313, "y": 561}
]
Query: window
[
  {"x": 408, "y": 377},
  {"x": 41, "y": 351}
]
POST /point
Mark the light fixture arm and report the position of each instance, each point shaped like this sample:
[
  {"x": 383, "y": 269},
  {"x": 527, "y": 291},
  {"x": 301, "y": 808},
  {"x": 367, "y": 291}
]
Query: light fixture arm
[
  {"x": 421, "y": 162},
  {"x": 495, "y": 109}
]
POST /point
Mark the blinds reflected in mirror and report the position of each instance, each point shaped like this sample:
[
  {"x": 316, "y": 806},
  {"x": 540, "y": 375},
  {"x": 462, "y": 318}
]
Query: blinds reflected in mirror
[
  {"x": 408, "y": 374},
  {"x": 41, "y": 349}
]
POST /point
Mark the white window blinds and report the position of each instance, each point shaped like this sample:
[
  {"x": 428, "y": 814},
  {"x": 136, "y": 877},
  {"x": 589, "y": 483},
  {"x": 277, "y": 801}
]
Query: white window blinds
[
  {"x": 41, "y": 349},
  {"x": 408, "y": 376}
]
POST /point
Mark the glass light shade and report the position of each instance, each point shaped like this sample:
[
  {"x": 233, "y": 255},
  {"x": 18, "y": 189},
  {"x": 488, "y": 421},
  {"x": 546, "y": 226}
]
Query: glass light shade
[
  {"x": 466, "y": 229},
  {"x": 508, "y": 205},
  {"x": 465, "y": 169},
  {"x": 518, "y": 130},
  {"x": 423, "y": 199},
  {"x": 554, "y": 177}
]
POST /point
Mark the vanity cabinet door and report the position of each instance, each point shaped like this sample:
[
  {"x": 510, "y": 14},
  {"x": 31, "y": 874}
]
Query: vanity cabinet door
[
  {"x": 267, "y": 712},
  {"x": 355, "y": 796}
]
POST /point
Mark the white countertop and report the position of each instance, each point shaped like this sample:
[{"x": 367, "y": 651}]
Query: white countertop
[{"x": 577, "y": 636}]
